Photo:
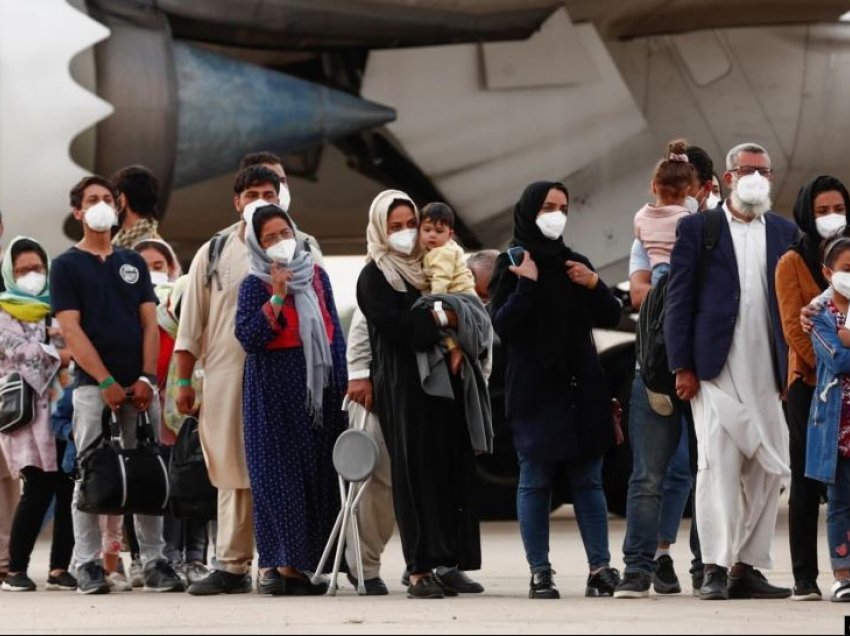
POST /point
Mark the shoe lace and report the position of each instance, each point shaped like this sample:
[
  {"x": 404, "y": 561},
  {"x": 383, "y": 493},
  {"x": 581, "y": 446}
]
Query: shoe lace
[{"x": 544, "y": 578}]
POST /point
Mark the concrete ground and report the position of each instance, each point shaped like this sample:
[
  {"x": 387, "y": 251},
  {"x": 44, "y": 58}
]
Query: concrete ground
[{"x": 504, "y": 608}]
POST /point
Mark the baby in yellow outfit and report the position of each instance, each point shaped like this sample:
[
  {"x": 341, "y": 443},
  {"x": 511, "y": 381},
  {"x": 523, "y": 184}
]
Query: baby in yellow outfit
[{"x": 445, "y": 265}]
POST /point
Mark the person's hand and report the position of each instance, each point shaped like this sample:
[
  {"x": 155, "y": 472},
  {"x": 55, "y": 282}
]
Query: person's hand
[
  {"x": 141, "y": 394},
  {"x": 844, "y": 336},
  {"x": 687, "y": 384},
  {"x": 807, "y": 315},
  {"x": 617, "y": 414},
  {"x": 113, "y": 396},
  {"x": 280, "y": 279},
  {"x": 581, "y": 274},
  {"x": 528, "y": 268},
  {"x": 186, "y": 400},
  {"x": 360, "y": 391},
  {"x": 455, "y": 360}
]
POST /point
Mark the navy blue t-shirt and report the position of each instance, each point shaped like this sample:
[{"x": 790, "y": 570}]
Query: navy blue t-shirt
[{"x": 108, "y": 295}]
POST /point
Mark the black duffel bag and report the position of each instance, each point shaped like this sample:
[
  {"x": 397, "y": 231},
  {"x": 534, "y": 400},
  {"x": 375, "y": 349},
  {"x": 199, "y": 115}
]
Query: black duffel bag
[
  {"x": 192, "y": 494},
  {"x": 118, "y": 481},
  {"x": 17, "y": 403}
]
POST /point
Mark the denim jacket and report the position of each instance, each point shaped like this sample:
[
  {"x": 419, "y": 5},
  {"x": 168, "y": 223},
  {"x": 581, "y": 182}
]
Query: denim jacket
[{"x": 833, "y": 362}]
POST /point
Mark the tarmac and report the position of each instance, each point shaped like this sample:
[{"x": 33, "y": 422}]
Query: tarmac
[{"x": 504, "y": 608}]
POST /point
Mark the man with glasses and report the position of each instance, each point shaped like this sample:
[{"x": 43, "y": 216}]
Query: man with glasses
[{"x": 725, "y": 343}]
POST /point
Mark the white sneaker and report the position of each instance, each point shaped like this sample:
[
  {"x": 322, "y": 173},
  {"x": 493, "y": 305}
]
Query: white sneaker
[
  {"x": 841, "y": 591},
  {"x": 118, "y": 582},
  {"x": 137, "y": 574}
]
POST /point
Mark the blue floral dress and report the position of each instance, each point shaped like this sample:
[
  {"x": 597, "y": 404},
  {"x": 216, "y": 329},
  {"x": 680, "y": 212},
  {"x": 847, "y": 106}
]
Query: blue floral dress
[{"x": 290, "y": 466}]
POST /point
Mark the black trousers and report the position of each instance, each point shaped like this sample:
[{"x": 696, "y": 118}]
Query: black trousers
[
  {"x": 804, "y": 501},
  {"x": 39, "y": 490}
]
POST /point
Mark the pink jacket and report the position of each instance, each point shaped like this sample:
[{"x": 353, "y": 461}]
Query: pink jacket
[
  {"x": 655, "y": 228},
  {"x": 22, "y": 349}
]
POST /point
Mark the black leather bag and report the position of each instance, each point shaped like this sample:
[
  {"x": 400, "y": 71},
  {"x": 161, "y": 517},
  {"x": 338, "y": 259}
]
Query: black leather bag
[
  {"x": 17, "y": 403},
  {"x": 192, "y": 494},
  {"x": 118, "y": 481}
]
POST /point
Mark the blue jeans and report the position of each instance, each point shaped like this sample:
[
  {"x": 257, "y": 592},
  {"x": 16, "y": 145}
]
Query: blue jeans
[
  {"x": 658, "y": 271},
  {"x": 676, "y": 490},
  {"x": 838, "y": 516},
  {"x": 533, "y": 508},
  {"x": 655, "y": 440}
]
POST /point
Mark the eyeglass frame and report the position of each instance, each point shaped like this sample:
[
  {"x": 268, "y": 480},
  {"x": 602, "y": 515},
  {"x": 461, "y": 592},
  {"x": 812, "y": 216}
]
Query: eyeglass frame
[{"x": 765, "y": 172}]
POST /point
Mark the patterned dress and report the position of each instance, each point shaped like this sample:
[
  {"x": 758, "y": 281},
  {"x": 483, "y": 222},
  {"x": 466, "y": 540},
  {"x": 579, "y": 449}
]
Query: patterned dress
[
  {"x": 293, "y": 481},
  {"x": 844, "y": 426}
]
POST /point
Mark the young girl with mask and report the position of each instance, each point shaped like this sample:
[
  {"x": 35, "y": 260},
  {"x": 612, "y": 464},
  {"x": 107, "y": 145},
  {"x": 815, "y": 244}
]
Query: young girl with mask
[
  {"x": 655, "y": 224},
  {"x": 821, "y": 214},
  {"x": 34, "y": 452},
  {"x": 828, "y": 440}
]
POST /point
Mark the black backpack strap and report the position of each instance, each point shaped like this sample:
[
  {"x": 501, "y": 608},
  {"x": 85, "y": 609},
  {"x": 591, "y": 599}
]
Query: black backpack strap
[
  {"x": 216, "y": 247},
  {"x": 710, "y": 237}
]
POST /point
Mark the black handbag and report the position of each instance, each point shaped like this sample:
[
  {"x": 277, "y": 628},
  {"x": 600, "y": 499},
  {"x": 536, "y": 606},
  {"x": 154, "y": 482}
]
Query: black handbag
[
  {"x": 192, "y": 494},
  {"x": 118, "y": 481},
  {"x": 17, "y": 403}
]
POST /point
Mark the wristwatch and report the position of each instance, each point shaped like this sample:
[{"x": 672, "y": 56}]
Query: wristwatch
[
  {"x": 441, "y": 315},
  {"x": 149, "y": 379}
]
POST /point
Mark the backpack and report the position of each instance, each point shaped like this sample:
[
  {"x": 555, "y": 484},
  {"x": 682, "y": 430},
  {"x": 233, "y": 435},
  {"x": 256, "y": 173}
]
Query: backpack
[
  {"x": 192, "y": 494},
  {"x": 651, "y": 348}
]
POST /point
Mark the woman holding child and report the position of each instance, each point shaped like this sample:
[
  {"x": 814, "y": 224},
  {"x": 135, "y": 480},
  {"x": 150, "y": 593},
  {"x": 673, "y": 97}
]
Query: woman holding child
[{"x": 427, "y": 437}]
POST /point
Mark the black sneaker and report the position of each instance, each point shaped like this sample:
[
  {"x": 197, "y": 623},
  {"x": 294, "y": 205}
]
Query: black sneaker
[
  {"x": 374, "y": 587},
  {"x": 715, "y": 586},
  {"x": 221, "y": 582},
  {"x": 697, "y": 578},
  {"x": 405, "y": 578},
  {"x": 603, "y": 583},
  {"x": 459, "y": 581},
  {"x": 840, "y": 591},
  {"x": 633, "y": 585},
  {"x": 542, "y": 586},
  {"x": 91, "y": 579},
  {"x": 270, "y": 583},
  {"x": 63, "y": 583},
  {"x": 806, "y": 590},
  {"x": 161, "y": 577},
  {"x": 664, "y": 579},
  {"x": 18, "y": 583},
  {"x": 753, "y": 584},
  {"x": 304, "y": 586},
  {"x": 426, "y": 587}
]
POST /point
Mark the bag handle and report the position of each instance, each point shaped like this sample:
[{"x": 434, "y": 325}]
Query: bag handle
[
  {"x": 144, "y": 430},
  {"x": 109, "y": 426}
]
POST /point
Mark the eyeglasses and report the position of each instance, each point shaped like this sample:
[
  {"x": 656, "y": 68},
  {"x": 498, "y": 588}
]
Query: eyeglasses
[
  {"x": 745, "y": 171},
  {"x": 271, "y": 239}
]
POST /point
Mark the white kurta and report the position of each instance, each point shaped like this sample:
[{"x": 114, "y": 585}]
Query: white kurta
[{"x": 740, "y": 426}]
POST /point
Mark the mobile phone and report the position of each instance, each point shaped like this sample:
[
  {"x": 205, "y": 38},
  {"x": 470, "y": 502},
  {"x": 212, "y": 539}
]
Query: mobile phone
[{"x": 515, "y": 255}]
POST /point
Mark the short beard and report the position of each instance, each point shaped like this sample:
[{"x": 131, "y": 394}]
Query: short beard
[{"x": 748, "y": 209}]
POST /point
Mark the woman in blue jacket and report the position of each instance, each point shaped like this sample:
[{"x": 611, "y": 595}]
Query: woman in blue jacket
[
  {"x": 828, "y": 439},
  {"x": 557, "y": 397}
]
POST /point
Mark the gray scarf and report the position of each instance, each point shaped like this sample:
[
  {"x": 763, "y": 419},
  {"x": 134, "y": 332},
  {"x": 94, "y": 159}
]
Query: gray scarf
[{"x": 311, "y": 325}]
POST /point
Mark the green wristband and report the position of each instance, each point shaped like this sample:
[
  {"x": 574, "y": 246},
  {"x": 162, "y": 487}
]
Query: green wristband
[
  {"x": 277, "y": 300},
  {"x": 108, "y": 382},
  {"x": 183, "y": 382}
]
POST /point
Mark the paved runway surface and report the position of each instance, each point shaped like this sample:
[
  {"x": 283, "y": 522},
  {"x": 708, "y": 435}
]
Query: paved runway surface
[{"x": 504, "y": 608}]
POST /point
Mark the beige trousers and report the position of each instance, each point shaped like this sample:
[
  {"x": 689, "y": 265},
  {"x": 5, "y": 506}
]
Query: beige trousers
[
  {"x": 234, "y": 546},
  {"x": 375, "y": 516}
]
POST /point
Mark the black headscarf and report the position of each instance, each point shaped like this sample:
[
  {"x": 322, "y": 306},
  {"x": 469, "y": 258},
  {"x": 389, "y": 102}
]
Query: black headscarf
[
  {"x": 810, "y": 245},
  {"x": 562, "y": 319}
]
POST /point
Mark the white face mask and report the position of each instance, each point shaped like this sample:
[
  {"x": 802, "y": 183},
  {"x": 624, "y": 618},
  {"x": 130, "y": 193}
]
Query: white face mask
[
  {"x": 753, "y": 189},
  {"x": 100, "y": 217},
  {"x": 282, "y": 251},
  {"x": 692, "y": 204},
  {"x": 159, "y": 278},
  {"x": 712, "y": 201},
  {"x": 841, "y": 283},
  {"x": 552, "y": 224},
  {"x": 285, "y": 197},
  {"x": 831, "y": 225},
  {"x": 32, "y": 283},
  {"x": 403, "y": 241}
]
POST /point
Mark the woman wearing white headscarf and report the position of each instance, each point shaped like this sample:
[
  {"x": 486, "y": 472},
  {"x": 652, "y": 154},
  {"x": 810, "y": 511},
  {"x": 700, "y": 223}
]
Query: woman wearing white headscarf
[
  {"x": 427, "y": 437},
  {"x": 295, "y": 377}
]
